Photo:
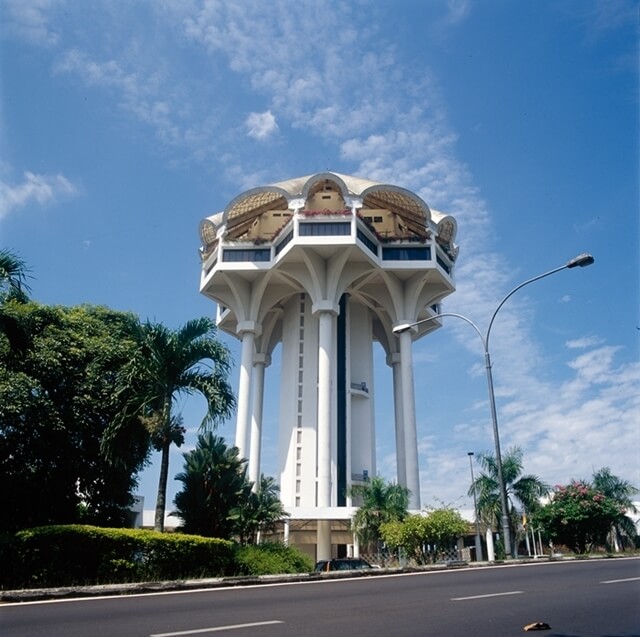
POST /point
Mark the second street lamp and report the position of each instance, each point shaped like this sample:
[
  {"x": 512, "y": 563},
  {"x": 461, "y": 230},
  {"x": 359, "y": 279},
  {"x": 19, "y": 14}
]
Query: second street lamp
[{"x": 581, "y": 261}]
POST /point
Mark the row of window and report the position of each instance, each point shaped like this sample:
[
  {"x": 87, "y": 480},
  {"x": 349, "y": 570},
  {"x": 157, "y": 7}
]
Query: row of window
[
  {"x": 325, "y": 229},
  {"x": 394, "y": 253},
  {"x": 389, "y": 253}
]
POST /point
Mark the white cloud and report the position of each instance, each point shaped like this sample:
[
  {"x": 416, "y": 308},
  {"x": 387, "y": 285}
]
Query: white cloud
[
  {"x": 582, "y": 343},
  {"x": 457, "y": 10},
  {"x": 261, "y": 125},
  {"x": 142, "y": 95},
  {"x": 587, "y": 225},
  {"x": 566, "y": 430},
  {"x": 43, "y": 189},
  {"x": 601, "y": 18},
  {"x": 28, "y": 19}
]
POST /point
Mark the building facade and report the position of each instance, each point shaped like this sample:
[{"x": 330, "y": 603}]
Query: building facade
[{"x": 326, "y": 266}]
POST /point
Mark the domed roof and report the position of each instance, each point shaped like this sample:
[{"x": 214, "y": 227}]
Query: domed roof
[{"x": 355, "y": 192}]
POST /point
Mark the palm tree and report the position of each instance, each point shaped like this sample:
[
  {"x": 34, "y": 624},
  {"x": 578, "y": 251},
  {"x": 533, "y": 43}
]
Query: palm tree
[
  {"x": 215, "y": 484},
  {"x": 380, "y": 502},
  {"x": 526, "y": 490},
  {"x": 259, "y": 511},
  {"x": 13, "y": 276},
  {"x": 171, "y": 363},
  {"x": 13, "y": 289},
  {"x": 621, "y": 491}
]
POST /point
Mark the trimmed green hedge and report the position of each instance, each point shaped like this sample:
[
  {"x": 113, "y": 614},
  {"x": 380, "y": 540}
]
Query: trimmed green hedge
[
  {"x": 270, "y": 559},
  {"x": 81, "y": 555}
]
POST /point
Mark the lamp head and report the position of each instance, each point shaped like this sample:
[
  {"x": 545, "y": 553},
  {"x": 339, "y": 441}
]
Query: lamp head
[
  {"x": 581, "y": 261},
  {"x": 470, "y": 453},
  {"x": 403, "y": 327}
]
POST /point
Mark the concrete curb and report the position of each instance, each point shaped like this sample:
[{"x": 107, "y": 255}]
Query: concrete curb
[{"x": 137, "y": 588}]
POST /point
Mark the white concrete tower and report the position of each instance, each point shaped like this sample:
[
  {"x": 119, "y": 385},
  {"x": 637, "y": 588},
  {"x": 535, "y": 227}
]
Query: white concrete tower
[{"x": 326, "y": 265}]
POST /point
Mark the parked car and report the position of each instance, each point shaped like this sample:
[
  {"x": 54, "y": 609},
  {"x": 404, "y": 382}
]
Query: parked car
[{"x": 342, "y": 564}]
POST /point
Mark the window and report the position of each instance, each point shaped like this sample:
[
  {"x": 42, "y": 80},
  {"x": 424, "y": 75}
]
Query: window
[
  {"x": 327, "y": 229},
  {"x": 442, "y": 264},
  {"x": 246, "y": 254},
  {"x": 367, "y": 242},
  {"x": 287, "y": 238},
  {"x": 402, "y": 253}
]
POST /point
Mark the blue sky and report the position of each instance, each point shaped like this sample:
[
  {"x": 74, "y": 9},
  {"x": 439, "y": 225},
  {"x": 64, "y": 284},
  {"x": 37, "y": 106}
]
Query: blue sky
[{"x": 123, "y": 124}]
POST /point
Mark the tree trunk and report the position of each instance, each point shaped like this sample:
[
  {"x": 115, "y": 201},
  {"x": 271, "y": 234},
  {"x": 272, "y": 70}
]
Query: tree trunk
[{"x": 162, "y": 487}]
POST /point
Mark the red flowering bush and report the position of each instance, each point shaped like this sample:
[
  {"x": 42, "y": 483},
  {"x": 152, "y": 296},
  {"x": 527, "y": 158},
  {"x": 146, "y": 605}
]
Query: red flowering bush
[{"x": 579, "y": 516}]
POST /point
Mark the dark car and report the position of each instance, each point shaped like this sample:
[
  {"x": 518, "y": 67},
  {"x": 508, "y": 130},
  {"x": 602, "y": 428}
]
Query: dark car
[{"x": 342, "y": 564}]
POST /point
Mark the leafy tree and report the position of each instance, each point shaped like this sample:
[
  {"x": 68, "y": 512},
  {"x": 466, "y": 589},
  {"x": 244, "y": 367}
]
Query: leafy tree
[
  {"x": 526, "y": 490},
  {"x": 620, "y": 491},
  {"x": 171, "y": 363},
  {"x": 214, "y": 487},
  {"x": 578, "y": 516},
  {"x": 56, "y": 401},
  {"x": 424, "y": 537},
  {"x": 259, "y": 510},
  {"x": 380, "y": 502}
]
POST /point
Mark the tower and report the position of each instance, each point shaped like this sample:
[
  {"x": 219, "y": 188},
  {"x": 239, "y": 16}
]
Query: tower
[{"x": 326, "y": 265}]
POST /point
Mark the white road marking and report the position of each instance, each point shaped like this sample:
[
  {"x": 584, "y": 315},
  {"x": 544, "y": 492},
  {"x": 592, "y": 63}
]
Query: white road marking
[
  {"x": 215, "y": 629},
  {"x": 462, "y": 599},
  {"x": 617, "y": 581}
]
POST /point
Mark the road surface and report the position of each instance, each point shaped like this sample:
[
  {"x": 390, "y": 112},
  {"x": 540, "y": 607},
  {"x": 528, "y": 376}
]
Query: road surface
[{"x": 590, "y": 598}]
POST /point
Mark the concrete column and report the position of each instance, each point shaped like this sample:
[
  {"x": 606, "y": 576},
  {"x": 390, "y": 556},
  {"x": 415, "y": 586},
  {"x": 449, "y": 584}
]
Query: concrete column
[
  {"x": 409, "y": 420},
  {"x": 260, "y": 361},
  {"x": 325, "y": 343},
  {"x": 326, "y": 312},
  {"x": 393, "y": 360},
  {"x": 247, "y": 332},
  {"x": 491, "y": 552},
  {"x": 324, "y": 540},
  {"x": 286, "y": 532},
  {"x": 356, "y": 546}
]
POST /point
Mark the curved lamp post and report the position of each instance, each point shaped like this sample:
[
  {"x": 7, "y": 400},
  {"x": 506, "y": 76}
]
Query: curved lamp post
[{"x": 581, "y": 261}]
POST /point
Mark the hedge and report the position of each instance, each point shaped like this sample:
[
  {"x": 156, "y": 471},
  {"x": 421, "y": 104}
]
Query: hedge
[{"x": 73, "y": 555}]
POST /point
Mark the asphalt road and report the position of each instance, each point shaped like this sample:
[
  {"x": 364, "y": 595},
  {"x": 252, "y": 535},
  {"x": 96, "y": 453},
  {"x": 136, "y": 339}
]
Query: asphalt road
[{"x": 577, "y": 599}]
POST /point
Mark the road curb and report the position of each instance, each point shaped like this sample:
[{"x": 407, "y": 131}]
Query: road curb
[{"x": 138, "y": 588}]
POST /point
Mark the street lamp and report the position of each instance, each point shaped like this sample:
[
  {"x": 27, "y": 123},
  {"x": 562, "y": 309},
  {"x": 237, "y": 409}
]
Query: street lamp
[
  {"x": 581, "y": 261},
  {"x": 475, "y": 508}
]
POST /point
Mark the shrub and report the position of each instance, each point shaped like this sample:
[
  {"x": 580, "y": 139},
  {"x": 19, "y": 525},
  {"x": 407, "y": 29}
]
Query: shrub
[
  {"x": 270, "y": 559},
  {"x": 424, "y": 537},
  {"x": 579, "y": 516}
]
